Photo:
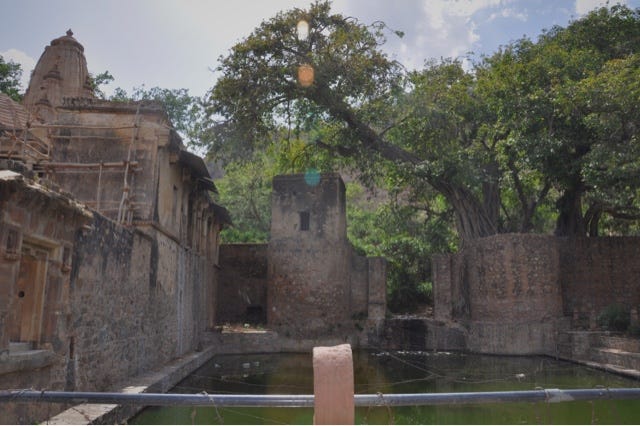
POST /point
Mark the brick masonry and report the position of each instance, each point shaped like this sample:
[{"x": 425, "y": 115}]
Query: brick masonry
[
  {"x": 514, "y": 293},
  {"x": 596, "y": 273}
]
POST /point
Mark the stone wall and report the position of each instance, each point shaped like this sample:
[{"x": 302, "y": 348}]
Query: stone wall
[
  {"x": 596, "y": 273},
  {"x": 513, "y": 279},
  {"x": 505, "y": 277},
  {"x": 242, "y": 292},
  {"x": 138, "y": 301},
  {"x": 514, "y": 293},
  {"x": 124, "y": 302},
  {"x": 421, "y": 334}
]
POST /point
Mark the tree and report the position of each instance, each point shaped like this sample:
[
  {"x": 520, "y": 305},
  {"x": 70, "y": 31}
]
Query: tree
[
  {"x": 352, "y": 94},
  {"x": 10, "y": 73},
  {"x": 99, "y": 80},
  {"x": 245, "y": 191},
  {"x": 184, "y": 111},
  {"x": 508, "y": 145},
  {"x": 405, "y": 233},
  {"x": 566, "y": 113}
]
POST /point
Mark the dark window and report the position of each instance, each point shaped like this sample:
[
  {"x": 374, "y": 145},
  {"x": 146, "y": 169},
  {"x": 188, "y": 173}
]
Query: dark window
[{"x": 304, "y": 221}]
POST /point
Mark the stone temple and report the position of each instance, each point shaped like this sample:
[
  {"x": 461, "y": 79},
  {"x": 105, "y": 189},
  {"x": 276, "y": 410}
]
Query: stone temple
[
  {"x": 113, "y": 278},
  {"x": 108, "y": 236},
  {"x": 110, "y": 263}
]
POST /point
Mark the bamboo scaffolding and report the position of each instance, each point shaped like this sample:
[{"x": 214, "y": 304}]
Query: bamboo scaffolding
[
  {"x": 122, "y": 216},
  {"x": 80, "y": 126},
  {"x": 112, "y": 138},
  {"x": 117, "y": 164}
]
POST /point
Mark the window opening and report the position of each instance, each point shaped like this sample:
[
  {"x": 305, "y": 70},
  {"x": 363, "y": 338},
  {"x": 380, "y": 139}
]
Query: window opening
[{"x": 304, "y": 221}]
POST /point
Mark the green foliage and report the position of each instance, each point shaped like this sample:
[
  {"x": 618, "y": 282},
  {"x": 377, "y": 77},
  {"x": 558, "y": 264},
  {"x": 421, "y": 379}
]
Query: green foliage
[
  {"x": 185, "y": 111},
  {"x": 10, "y": 73},
  {"x": 245, "y": 191},
  {"x": 258, "y": 89},
  {"x": 567, "y": 109},
  {"x": 102, "y": 79},
  {"x": 406, "y": 236},
  {"x": 614, "y": 318}
]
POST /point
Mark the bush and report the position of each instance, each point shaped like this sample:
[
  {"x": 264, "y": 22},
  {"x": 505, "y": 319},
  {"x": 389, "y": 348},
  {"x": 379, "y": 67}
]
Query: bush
[
  {"x": 425, "y": 289},
  {"x": 614, "y": 318}
]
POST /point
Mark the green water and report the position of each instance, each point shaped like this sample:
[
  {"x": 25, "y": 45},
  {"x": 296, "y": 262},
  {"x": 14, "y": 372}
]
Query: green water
[{"x": 399, "y": 372}]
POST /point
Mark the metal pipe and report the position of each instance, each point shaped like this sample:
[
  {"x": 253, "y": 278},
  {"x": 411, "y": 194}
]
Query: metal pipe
[
  {"x": 158, "y": 399},
  {"x": 361, "y": 400}
]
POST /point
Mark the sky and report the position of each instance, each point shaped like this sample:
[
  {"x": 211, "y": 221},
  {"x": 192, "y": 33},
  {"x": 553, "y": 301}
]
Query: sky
[{"x": 176, "y": 43}]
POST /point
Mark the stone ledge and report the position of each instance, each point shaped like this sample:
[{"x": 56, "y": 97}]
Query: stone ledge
[
  {"x": 158, "y": 381},
  {"x": 623, "y": 359},
  {"x": 26, "y": 360},
  {"x": 610, "y": 368}
]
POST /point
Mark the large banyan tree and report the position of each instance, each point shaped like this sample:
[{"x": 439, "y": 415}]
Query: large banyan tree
[{"x": 538, "y": 132}]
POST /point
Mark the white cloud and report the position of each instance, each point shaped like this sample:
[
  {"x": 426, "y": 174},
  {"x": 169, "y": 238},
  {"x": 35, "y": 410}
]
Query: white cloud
[
  {"x": 509, "y": 13},
  {"x": 585, "y": 6},
  {"x": 26, "y": 62},
  {"x": 450, "y": 29}
]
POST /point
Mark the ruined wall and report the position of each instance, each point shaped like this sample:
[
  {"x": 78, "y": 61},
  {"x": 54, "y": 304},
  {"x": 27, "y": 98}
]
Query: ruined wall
[
  {"x": 516, "y": 292},
  {"x": 513, "y": 278},
  {"x": 317, "y": 285},
  {"x": 505, "y": 289},
  {"x": 308, "y": 256},
  {"x": 242, "y": 292},
  {"x": 138, "y": 301},
  {"x": 506, "y": 277},
  {"x": 596, "y": 273}
]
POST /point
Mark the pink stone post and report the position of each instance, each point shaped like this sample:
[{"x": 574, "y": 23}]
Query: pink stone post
[{"x": 333, "y": 385}]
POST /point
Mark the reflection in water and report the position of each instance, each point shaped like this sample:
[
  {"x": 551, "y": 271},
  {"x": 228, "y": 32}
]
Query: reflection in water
[{"x": 399, "y": 372}]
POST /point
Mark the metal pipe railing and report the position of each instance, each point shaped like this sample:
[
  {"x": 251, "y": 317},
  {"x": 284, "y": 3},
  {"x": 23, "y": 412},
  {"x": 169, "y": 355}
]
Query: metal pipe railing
[{"x": 361, "y": 400}]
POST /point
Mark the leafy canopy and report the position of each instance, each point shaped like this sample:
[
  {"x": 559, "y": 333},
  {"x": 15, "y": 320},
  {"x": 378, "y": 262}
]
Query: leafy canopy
[
  {"x": 10, "y": 74},
  {"x": 538, "y": 132}
]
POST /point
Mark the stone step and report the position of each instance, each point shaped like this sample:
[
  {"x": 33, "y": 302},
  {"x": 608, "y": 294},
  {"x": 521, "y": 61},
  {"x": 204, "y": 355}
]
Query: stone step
[
  {"x": 617, "y": 357},
  {"x": 19, "y": 347},
  {"x": 622, "y": 343}
]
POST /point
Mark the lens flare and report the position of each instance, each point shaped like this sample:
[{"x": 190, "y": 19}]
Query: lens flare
[
  {"x": 302, "y": 30},
  {"x": 306, "y": 75},
  {"x": 312, "y": 177}
]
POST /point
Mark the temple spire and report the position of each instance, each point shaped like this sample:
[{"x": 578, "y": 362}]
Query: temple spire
[{"x": 61, "y": 72}]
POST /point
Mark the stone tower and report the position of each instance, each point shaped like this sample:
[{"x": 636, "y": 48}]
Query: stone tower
[
  {"x": 309, "y": 256},
  {"x": 60, "y": 72}
]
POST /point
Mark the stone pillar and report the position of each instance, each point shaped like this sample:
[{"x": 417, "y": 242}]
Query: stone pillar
[
  {"x": 4, "y": 337},
  {"x": 377, "y": 288},
  {"x": 441, "y": 276},
  {"x": 333, "y": 385}
]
